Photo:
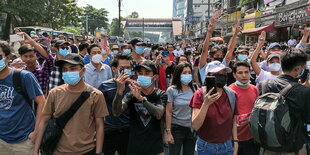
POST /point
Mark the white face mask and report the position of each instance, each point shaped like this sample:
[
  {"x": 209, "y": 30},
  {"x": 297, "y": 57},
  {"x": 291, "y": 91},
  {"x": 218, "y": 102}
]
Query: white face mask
[
  {"x": 275, "y": 67},
  {"x": 308, "y": 64},
  {"x": 97, "y": 58}
]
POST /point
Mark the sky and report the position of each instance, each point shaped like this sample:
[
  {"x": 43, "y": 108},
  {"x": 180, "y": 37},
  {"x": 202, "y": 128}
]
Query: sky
[{"x": 145, "y": 8}]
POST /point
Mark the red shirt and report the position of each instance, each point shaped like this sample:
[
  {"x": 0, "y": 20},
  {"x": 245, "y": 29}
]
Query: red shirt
[
  {"x": 162, "y": 85},
  {"x": 171, "y": 58},
  {"x": 245, "y": 104},
  {"x": 217, "y": 126}
]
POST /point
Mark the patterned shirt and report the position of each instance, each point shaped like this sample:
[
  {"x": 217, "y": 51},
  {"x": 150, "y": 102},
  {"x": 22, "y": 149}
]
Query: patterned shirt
[
  {"x": 55, "y": 78},
  {"x": 43, "y": 73}
]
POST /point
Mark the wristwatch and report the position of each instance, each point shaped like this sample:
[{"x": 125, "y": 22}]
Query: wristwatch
[
  {"x": 100, "y": 153},
  {"x": 167, "y": 130}
]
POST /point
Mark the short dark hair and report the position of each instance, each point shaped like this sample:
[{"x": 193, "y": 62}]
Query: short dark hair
[
  {"x": 83, "y": 46},
  {"x": 178, "y": 59},
  {"x": 5, "y": 47},
  {"x": 25, "y": 49},
  {"x": 293, "y": 57},
  {"x": 118, "y": 57},
  {"x": 240, "y": 63},
  {"x": 91, "y": 47},
  {"x": 215, "y": 49}
]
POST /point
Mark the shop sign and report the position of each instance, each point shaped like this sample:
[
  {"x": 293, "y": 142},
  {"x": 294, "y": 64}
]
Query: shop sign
[
  {"x": 291, "y": 16},
  {"x": 249, "y": 22}
]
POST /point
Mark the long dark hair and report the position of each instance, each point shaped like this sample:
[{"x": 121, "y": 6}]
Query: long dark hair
[{"x": 176, "y": 80}]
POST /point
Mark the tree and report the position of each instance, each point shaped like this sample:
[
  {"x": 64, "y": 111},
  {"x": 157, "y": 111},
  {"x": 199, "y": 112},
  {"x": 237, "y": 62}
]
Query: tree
[
  {"x": 74, "y": 30},
  {"x": 134, "y": 15},
  {"x": 114, "y": 29},
  {"x": 97, "y": 18},
  {"x": 52, "y": 13}
]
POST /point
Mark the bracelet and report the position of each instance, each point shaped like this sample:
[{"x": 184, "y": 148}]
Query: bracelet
[
  {"x": 167, "y": 130},
  {"x": 235, "y": 141}
]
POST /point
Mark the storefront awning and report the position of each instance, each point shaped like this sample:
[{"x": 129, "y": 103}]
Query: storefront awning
[{"x": 260, "y": 29}]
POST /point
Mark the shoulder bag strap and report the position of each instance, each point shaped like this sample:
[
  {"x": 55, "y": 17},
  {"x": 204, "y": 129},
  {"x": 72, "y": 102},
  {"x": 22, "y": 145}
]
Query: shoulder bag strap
[
  {"x": 64, "y": 118},
  {"x": 286, "y": 90},
  {"x": 17, "y": 84}
]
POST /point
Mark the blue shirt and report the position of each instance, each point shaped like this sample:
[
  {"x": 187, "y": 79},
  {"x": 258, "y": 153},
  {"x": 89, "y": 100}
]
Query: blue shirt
[
  {"x": 17, "y": 119},
  {"x": 94, "y": 77},
  {"x": 112, "y": 123},
  {"x": 106, "y": 61}
]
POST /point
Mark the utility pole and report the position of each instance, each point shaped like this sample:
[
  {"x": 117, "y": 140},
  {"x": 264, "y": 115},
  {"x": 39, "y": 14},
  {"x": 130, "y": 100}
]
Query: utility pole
[
  {"x": 143, "y": 28},
  {"x": 86, "y": 26},
  {"x": 119, "y": 17}
]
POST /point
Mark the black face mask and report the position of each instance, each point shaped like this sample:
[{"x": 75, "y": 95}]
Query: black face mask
[
  {"x": 219, "y": 59},
  {"x": 221, "y": 80}
]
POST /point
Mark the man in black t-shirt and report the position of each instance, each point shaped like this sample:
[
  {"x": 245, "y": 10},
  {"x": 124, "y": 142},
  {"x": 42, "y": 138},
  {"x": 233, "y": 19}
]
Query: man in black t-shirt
[{"x": 146, "y": 105}]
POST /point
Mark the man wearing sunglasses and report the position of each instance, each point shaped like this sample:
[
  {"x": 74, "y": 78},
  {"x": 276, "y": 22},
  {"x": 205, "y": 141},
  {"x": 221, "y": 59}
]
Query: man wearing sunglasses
[{"x": 61, "y": 48}]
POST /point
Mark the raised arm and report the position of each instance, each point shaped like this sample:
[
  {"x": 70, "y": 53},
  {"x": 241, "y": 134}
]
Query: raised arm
[
  {"x": 258, "y": 49},
  {"x": 118, "y": 107},
  {"x": 206, "y": 44},
  {"x": 36, "y": 45},
  {"x": 304, "y": 39},
  {"x": 232, "y": 43}
]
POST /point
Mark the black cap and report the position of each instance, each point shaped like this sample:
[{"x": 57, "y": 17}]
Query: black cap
[
  {"x": 134, "y": 41},
  {"x": 61, "y": 42},
  {"x": 71, "y": 58},
  {"x": 147, "y": 64}
]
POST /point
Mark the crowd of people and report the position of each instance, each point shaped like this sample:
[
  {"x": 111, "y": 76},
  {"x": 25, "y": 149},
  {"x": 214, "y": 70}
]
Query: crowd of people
[{"x": 148, "y": 99}]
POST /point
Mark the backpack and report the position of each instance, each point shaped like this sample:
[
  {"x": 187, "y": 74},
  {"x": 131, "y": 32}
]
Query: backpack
[
  {"x": 17, "y": 84},
  {"x": 270, "y": 121}
]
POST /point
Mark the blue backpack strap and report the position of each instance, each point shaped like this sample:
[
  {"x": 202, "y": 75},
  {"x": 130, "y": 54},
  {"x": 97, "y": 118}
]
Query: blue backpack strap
[{"x": 231, "y": 97}]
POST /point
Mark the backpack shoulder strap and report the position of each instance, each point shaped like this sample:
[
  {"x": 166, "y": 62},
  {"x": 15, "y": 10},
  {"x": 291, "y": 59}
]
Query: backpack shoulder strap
[
  {"x": 17, "y": 84},
  {"x": 231, "y": 97},
  {"x": 286, "y": 90},
  {"x": 65, "y": 117},
  {"x": 264, "y": 86}
]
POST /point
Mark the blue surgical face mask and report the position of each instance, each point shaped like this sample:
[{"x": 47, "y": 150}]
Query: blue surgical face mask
[
  {"x": 128, "y": 71},
  {"x": 127, "y": 51},
  {"x": 115, "y": 52},
  {"x": 71, "y": 78},
  {"x": 308, "y": 64},
  {"x": 302, "y": 72},
  {"x": 186, "y": 78},
  {"x": 2, "y": 64},
  {"x": 144, "y": 81},
  {"x": 241, "y": 84},
  {"x": 242, "y": 57},
  {"x": 139, "y": 49},
  {"x": 63, "y": 52},
  {"x": 40, "y": 33},
  {"x": 178, "y": 47}
]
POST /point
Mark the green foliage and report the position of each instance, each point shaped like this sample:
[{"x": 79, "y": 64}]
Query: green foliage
[
  {"x": 134, "y": 15},
  {"x": 97, "y": 18},
  {"x": 74, "y": 30},
  {"x": 114, "y": 28}
]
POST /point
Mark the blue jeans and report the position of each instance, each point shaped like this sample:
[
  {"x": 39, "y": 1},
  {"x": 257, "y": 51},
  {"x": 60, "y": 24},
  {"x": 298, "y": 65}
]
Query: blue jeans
[{"x": 205, "y": 148}]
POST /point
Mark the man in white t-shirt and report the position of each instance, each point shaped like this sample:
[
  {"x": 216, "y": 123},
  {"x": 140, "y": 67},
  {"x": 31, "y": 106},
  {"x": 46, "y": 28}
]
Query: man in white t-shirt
[{"x": 273, "y": 63}]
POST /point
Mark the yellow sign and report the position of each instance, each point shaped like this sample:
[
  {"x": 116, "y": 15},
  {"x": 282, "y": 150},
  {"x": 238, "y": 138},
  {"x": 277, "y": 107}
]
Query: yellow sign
[
  {"x": 98, "y": 34},
  {"x": 249, "y": 22}
]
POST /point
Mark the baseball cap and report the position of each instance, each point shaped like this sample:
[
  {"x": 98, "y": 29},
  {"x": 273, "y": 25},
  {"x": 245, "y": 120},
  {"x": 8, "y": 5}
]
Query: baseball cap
[
  {"x": 147, "y": 64},
  {"x": 216, "y": 66},
  {"x": 71, "y": 58},
  {"x": 61, "y": 42},
  {"x": 134, "y": 41},
  {"x": 114, "y": 47},
  {"x": 272, "y": 45},
  {"x": 272, "y": 56}
]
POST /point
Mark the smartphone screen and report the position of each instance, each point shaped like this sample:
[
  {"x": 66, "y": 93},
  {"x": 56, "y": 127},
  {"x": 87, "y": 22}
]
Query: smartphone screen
[
  {"x": 15, "y": 38},
  {"x": 122, "y": 70},
  {"x": 210, "y": 83}
]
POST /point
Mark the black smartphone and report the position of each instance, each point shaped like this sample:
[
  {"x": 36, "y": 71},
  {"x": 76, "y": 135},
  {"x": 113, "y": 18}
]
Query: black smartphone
[
  {"x": 121, "y": 70},
  {"x": 210, "y": 82}
]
